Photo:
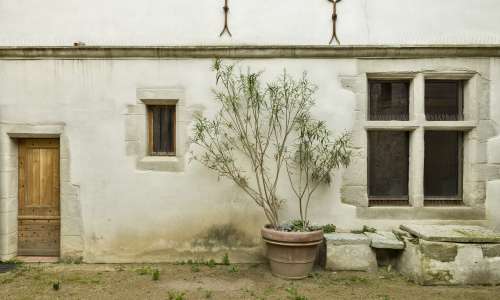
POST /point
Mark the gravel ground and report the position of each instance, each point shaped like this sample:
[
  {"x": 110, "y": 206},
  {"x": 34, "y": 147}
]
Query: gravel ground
[{"x": 202, "y": 281}]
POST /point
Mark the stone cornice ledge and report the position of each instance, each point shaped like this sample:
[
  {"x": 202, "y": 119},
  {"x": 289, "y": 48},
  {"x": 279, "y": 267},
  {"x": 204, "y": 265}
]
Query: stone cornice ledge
[{"x": 169, "y": 52}]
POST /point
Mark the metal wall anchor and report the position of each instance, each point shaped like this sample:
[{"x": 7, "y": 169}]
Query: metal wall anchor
[
  {"x": 334, "y": 22},
  {"x": 226, "y": 12}
]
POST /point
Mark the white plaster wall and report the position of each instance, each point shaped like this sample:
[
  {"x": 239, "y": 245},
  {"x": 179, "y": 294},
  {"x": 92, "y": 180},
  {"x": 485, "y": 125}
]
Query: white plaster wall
[
  {"x": 133, "y": 215},
  {"x": 181, "y": 22},
  {"x": 136, "y": 215}
]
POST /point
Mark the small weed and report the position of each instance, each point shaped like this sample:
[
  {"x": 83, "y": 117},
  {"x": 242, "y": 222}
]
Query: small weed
[
  {"x": 225, "y": 260},
  {"x": 329, "y": 228},
  {"x": 174, "y": 295},
  {"x": 56, "y": 285},
  {"x": 20, "y": 270},
  {"x": 365, "y": 229},
  {"x": 146, "y": 270},
  {"x": 14, "y": 261},
  {"x": 234, "y": 269},
  {"x": 208, "y": 294},
  {"x": 211, "y": 263},
  {"x": 156, "y": 274},
  {"x": 383, "y": 297},
  {"x": 195, "y": 268},
  {"x": 269, "y": 291},
  {"x": 352, "y": 280},
  {"x": 293, "y": 294}
]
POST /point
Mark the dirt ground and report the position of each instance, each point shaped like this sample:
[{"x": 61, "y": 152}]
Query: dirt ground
[{"x": 208, "y": 281}]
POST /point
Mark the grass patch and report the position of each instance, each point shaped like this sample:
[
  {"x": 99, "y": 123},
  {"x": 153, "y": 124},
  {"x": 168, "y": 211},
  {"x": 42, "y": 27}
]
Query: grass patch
[
  {"x": 234, "y": 269},
  {"x": 225, "y": 260},
  {"x": 156, "y": 275},
  {"x": 293, "y": 294},
  {"x": 175, "y": 295}
]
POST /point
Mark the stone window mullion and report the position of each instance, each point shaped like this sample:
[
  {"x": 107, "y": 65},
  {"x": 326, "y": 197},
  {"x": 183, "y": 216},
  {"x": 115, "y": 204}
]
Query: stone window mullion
[{"x": 416, "y": 169}]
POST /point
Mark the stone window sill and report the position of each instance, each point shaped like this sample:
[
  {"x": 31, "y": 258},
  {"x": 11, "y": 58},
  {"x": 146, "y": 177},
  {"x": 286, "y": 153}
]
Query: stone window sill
[
  {"x": 162, "y": 163},
  {"x": 421, "y": 213}
]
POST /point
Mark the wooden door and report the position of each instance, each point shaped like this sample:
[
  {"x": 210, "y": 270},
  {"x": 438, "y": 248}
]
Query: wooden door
[{"x": 39, "y": 209}]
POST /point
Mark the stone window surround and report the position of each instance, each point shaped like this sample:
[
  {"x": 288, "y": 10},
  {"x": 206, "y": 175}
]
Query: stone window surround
[
  {"x": 136, "y": 137},
  {"x": 71, "y": 221},
  {"x": 476, "y": 112}
]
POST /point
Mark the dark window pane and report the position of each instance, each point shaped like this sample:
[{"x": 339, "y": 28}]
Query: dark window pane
[
  {"x": 443, "y": 100},
  {"x": 388, "y": 154},
  {"x": 163, "y": 129},
  {"x": 389, "y": 100},
  {"x": 443, "y": 161}
]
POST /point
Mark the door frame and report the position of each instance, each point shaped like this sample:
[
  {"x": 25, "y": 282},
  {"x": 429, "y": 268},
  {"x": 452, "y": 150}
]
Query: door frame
[{"x": 71, "y": 231}]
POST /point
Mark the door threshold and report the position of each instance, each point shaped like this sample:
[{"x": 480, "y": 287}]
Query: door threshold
[{"x": 38, "y": 259}]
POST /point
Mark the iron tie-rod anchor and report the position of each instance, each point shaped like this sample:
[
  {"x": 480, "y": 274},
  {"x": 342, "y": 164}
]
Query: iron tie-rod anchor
[
  {"x": 226, "y": 27},
  {"x": 334, "y": 22}
]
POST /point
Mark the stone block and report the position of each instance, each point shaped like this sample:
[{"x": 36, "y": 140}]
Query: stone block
[
  {"x": 450, "y": 263},
  {"x": 354, "y": 195},
  {"x": 440, "y": 251},
  {"x": 355, "y": 174},
  {"x": 349, "y": 252},
  {"x": 491, "y": 250},
  {"x": 486, "y": 130},
  {"x": 65, "y": 173},
  {"x": 8, "y": 146},
  {"x": 132, "y": 148},
  {"x": 8, "y": 205},
  {"x": 384, "y": 240},
  {"x": 8, "y": 244},
  {"x": 346, "y": 239},
  {"x": 139, "y": 109},
  {"x": 493, "y": 204},
  {"x": 474, "y": 193},
  {"x": 8, "y": 184},
  {"x": 8, "y": 222},
  {"x": 494, "y": 150},
  {"x": 453, "y": 233},
  {"x": 8, "y": 162}
]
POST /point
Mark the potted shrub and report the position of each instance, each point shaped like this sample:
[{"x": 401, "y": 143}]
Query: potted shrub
[{"x": 264, "y": 134}]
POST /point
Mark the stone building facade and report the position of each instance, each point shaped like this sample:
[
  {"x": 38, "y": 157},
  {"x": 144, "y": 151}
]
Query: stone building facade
[{"x": 88, "y": 76}]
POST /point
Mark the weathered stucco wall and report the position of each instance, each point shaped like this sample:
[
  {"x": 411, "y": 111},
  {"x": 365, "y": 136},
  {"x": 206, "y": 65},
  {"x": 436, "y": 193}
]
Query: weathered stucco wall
[
  {"x": 129, "y": 214},
  {"x": 134, "y": 214},
  {"x": 175, "y": 22}
]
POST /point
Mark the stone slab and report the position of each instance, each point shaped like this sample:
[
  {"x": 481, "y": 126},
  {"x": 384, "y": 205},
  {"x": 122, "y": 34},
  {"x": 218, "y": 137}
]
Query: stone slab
[
  {"x": 453, "y": 233},
  {"x": 358, "y": 257},
  {"x": 338, "y": 238},
  {"x": 384, "y": 240}
]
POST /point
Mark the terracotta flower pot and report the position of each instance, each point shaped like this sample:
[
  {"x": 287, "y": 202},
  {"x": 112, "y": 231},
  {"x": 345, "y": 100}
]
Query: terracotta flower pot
[{"x": 291, "y": 254}]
